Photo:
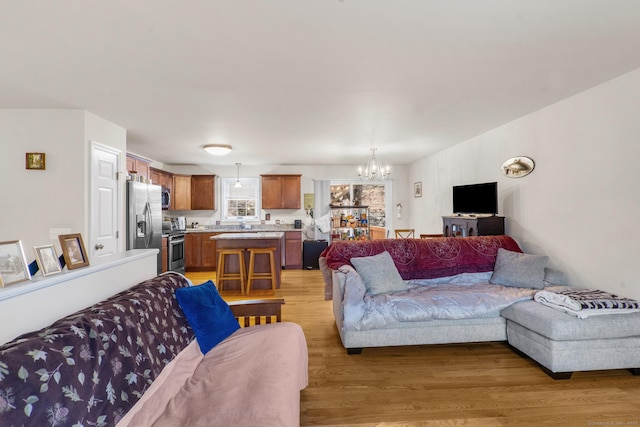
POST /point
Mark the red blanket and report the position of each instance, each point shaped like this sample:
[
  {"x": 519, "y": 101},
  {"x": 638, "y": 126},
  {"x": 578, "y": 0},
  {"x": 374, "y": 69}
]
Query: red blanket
[{"x": 426, "y": 258}]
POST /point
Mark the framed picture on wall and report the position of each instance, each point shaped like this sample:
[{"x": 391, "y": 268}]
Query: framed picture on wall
[
  {"x": 35, "y": 161},
  {"x": 73, "y": 251},
  {"x": 47, "y": 260},
  {"x": 13, "y": 264},
  {"x": 417, "y": 189}
]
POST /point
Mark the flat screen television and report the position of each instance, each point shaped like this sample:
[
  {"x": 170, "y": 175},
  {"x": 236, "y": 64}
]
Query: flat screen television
[{"x": 476, "y": 198}]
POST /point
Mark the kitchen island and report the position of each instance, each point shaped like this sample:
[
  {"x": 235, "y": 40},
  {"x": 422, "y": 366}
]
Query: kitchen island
[{"x": 252, "y": 240}]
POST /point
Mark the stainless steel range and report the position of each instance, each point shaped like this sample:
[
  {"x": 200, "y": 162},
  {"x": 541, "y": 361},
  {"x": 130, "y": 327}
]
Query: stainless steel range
[{"x": 176, "y": 252}]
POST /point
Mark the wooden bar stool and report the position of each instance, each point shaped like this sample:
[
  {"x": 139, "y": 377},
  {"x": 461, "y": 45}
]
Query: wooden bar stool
[
  {"x": 222, "y": 275},
  {"x": 271, "y": 274}
]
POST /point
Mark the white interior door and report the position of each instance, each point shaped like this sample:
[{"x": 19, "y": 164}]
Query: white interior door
[{"x": 105, "y": 201}]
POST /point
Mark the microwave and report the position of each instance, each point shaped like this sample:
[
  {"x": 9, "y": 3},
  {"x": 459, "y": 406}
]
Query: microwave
[{"x": 166, "y": 198}]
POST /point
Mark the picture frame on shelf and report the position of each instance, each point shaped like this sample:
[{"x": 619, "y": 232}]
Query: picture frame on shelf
[
  {"x": 73, "y": 251},
  {"x": 47, "y": 260},
  {"x": 35, "y": 161},
  {"x": 417, "y": 189},
  {"x": 13, "y": 264}
]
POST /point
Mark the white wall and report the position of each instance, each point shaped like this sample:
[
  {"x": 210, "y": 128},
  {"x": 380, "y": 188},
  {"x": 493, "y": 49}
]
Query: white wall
[
  {"x": 35, "y": 201},
  {"x": 29, "y": 306},
  {"x": 580, "y": 204}
]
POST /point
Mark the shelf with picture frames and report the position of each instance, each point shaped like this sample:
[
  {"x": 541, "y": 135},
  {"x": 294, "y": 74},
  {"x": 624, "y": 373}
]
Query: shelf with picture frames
[
  {"x": 47, "y": 297},
  {"x": 350, "y": 223}
]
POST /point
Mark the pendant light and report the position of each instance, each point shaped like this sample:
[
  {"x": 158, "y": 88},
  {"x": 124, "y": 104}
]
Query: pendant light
[{"x": 237, "y": 184}]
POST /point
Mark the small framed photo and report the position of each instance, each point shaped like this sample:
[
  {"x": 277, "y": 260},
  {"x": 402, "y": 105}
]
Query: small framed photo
[
  {"x": 13, "y": 264},
  {"x": 35, "y": 161},
  {"x": 47, "y": 260},
  {"x": 73, "y": 251},
  {"x": 417, "y": 189}
]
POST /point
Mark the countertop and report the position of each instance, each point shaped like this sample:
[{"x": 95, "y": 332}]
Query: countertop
[{"x": 249, "y": 236}]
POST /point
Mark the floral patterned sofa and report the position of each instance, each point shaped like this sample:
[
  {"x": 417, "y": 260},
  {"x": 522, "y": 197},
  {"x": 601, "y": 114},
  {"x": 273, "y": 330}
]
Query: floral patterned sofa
[{"x": 92, "y": 367}]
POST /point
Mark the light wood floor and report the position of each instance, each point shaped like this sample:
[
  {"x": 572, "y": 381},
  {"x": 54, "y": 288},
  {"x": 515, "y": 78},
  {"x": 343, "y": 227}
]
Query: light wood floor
[{"x": 484, "y": 384}]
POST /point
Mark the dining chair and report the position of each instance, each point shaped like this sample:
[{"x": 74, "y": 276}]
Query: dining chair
[
  {"x": 430, "y": 236},
  {"x": 405, "y": 233}
]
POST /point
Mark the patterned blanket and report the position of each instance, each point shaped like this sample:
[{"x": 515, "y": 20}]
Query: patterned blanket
[
  {"x": 425, "y": 258},
  {"x": 587, "y": 302},
  {"x": 91, "y": 367}
]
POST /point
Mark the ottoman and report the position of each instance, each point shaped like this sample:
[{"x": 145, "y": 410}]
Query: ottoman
[{"x": 563, "y": 343}]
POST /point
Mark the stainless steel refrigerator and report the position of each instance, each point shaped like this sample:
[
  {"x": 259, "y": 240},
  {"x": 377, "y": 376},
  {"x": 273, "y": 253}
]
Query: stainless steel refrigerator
[{"x": 144, "y": 218}]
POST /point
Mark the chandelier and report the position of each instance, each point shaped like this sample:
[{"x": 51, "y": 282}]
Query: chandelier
[{"x": 373, "y": 171}]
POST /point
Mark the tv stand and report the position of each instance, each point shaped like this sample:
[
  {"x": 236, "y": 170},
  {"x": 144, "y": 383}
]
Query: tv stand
[{"x": 465, "y": 226}]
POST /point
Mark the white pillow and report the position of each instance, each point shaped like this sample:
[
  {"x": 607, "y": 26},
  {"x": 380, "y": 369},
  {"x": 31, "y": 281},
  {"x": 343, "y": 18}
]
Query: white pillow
[{"x": 379, "y": 273}]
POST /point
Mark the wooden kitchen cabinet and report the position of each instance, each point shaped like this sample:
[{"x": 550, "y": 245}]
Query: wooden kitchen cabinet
[
  {"x": 293, "y": 250},
  {"x": 138, "y": 165},
  {"x": 193, "y": 192},
  {"x": 281, "y": 191},
  {"x": 165, "y": 261},
  {"x": 208, "y": 256},
  {"x": 162, "y": 178},
  {"x": 200, "y": 252},
  {"x": 203, "y": 192},
  {"x": 181, "y": 196},
  {"x": 192, "y": 250}
]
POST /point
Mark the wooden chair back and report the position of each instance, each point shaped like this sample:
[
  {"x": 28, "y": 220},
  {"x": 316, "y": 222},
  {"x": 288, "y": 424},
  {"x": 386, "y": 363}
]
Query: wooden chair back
[
  {"x": 254, "y": 312},
  {"x": 405, "y": 233},
  {"x": 430, "y": 236}
]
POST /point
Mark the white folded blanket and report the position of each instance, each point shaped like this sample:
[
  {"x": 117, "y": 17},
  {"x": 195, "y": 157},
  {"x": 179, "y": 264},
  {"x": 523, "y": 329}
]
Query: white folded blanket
[
  {"x": 324, "y": 223},
  {"x": 583, "y": 303}
]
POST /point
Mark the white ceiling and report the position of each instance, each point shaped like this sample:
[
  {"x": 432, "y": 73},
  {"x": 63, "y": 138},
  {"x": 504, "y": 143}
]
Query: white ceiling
[{"x": 309, "y": 81}]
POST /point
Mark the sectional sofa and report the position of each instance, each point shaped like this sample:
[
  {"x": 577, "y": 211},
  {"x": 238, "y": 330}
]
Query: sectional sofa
[{"x": 455, "y": 290}]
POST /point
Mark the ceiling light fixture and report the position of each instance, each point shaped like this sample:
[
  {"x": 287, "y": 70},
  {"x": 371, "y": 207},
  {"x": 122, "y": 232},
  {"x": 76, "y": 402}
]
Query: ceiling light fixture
[
  {"x": 217, "y": 149},
  {"x": 237, "y": 184},
  {"x": 373, "y": 171}
]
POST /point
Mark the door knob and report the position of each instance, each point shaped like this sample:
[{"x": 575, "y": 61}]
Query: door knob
[{"x": 98, "y": 247}]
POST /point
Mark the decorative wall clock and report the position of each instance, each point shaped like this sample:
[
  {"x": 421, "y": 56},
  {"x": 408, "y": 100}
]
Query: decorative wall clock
[{"x": 517, "y": 167}]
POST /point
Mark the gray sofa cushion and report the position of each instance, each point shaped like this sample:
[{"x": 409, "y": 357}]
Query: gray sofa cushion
[
  {"x": 557, "y": 325},
  {"x": 519, "y": 270},
  {"x": 379, "y": 273}
]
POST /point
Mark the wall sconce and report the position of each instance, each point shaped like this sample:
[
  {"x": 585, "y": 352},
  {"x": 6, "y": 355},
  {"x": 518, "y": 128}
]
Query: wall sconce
[{"x": 399, "y": 210}]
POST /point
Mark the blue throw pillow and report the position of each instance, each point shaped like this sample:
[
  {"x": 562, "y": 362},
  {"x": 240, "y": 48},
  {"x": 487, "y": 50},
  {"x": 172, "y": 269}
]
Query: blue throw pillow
[{"x": 207, "y": 313}]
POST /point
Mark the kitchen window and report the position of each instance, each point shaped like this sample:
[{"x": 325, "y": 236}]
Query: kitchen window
[{"x": 241, "y": 203}]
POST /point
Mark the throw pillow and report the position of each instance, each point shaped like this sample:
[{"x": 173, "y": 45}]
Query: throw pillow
[
  {"x": 207, "y": 313},
  {"x": 379, "y": 273},
  {"x": 519, "y": 270}
]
